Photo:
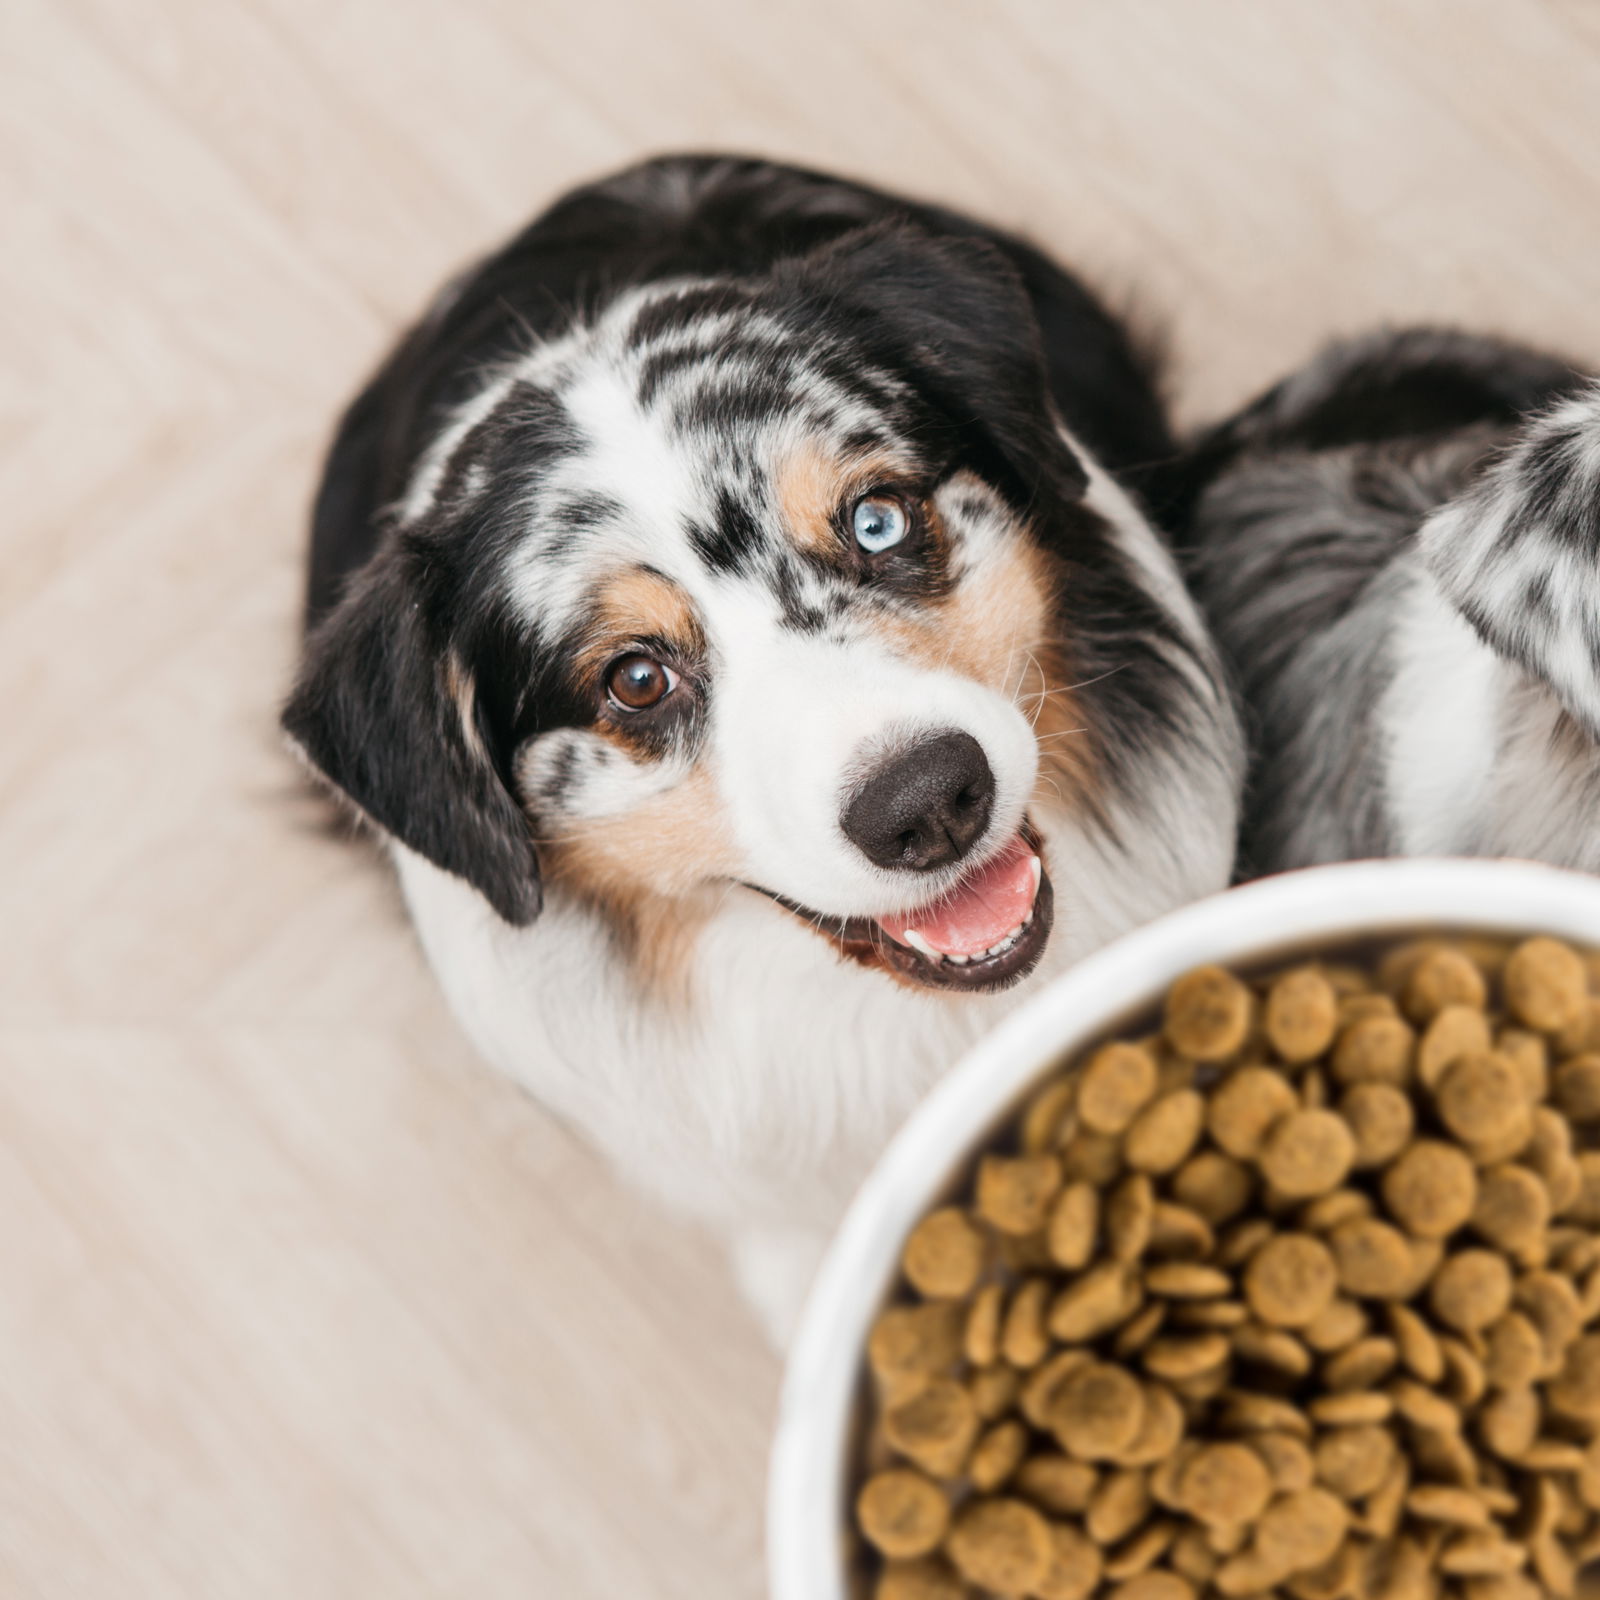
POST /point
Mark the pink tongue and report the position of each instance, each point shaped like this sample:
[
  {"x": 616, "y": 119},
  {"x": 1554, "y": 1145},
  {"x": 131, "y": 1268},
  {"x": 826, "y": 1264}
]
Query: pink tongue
[{"x": 979, "y": 912}]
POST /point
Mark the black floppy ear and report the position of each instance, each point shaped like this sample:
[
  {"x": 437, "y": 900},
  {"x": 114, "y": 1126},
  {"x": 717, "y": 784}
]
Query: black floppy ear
[
  {"x": 955, "y": 314},
  {"x": 386, "y": 709}
]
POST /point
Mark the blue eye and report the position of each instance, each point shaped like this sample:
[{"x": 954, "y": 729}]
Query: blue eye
[{"x": 879, "y": 523}]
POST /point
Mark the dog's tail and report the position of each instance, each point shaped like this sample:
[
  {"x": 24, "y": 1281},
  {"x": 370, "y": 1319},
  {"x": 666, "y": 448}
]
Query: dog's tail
[{"x": 1519, "y": 554}]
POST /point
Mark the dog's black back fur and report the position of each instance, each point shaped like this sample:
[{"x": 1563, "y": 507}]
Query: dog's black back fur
[{"x": 684, "y": 216}]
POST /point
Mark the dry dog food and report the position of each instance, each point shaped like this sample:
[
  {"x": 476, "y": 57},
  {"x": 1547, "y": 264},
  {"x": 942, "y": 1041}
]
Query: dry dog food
[{"x": 1298, "y": 1295}]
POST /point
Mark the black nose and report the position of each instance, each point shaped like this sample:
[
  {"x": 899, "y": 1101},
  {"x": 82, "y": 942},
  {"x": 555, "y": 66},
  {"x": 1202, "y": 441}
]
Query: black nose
[{"x": 924, "y": 807}]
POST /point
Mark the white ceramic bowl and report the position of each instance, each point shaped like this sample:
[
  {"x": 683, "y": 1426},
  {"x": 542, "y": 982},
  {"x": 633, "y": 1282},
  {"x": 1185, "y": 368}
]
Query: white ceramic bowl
[{"x": 810, "y": 1478}]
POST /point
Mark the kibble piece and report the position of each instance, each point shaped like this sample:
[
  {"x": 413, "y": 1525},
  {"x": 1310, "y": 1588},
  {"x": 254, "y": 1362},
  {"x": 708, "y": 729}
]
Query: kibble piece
[
  {"x": 1350, "y": 1410},
  {"x": 1457, "y": 1031},
  {"x": 1582, "y": 1034},
  {"x": 1300, "y": 1531},
  {"x": 1213, "y": 1185},
  {"x": 1513, "y": 1207},
  {"x": 1051, "y": 1117},
  {"x": 1120, "y": 1505},
  {"x": 1545, "y": 984},
  {"x": 1584, "y": 1205},
  {"x": 1154, "y": 1586},
  {"x": 1530, "y": 1055},
  {"x": 1288, "y": 1461},
  {"x": 980, "y": 1337},
  {"x": 997, "y": 1454},
  {"x": 1291, "y": 1280},
  {"x": 1162, "y": 1136},
  {"x": 1185, "y": 1357},
  {"x": 1224, "y": 1484},
  {"x": 1471, "y": 1290},
  {"x": 1418, "y": 1347},
  {"x": 1096, "y": 1412},
  {"x": 1245, "y": 1105},
  {"x": 935, "y": 1428},
  {"x": 1431, "y": 1189},
  {"x": 1136, "y": 1333},
  {"x": 1075, "y": 1566},
  {"x": 1160, "y": 1430},
  {"x": 1176, "y": 1231},
  {"x": 1074, "y": 1225},
  {"x": 1575, "y": 1390},
  {"x": 1058, "y": 1483},
  {"x": 1208, "y": 1014},
  {"x": 1117, "y": 1084},
  {"x": 1380, "y": 1119},
  {"x": 1325, "y": 1213},
  {"x": 1090, "y": 1157},
  {"x": 1509, "y": 1424},
  {"x": 1014, "y": 1192},
  {"x": 1515, "y": 1354},
  {"x": 1001, "y": 1544},
  {"x": 1336, "y": 1328},
  {"x": 1024, "y": 1340},
  {"x": 1353, "y": 1462},
  {"x": 1186, "y": 1280},
  {"x": 1374, "y": 1049},
  {"x": 1439, "y": 1502},
  {"x": 1362, "y": 1364},
  {"x": 994, "y": 1390},
  {"x": 1480, "y": 1553},
  {"x": 1443, "y": 977},
  {"x": 924, "y": 1579},
  {"x": 1101, "y": 1299},
  {"x": 1552, "y": 1305},
  {"x": 1301, "y": 1013},
  {"x": 1576, "y": 1088},
  {"x": 1480, "y": 1098},
  {"x": 909, "y": 1341},
  {"x": 944, "y": 1255},
  {"x": 1307, "y": 1153},
  {"x": 1373, "y": 1260},
  {"x": 1271, "y": 1347},
  {"x": 1130, "y": 1211},
  {"x": 902, "y": 1513},
  {"x": 1038, "y": 1395}
]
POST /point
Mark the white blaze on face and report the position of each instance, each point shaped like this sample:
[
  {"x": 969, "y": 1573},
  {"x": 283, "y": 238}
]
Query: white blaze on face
[{"x": 799, "y": 720}]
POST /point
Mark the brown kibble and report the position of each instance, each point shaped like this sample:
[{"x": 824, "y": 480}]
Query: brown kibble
[
  {"x": 1530, "y": 1055},
  {"x": 1327, "y": 1211},
  {"x": 1130, "y": 1211},
  {"x": 1024, "y": 1341},
  {"x": 1480, "y": 1553},
  {"x": 1138, "y": 1331},
  {"x": 1582, "y": 1033},
  {"x": 1513, "y": 1208},
  {"x": 944, "y": 1255},
  {"x": 1576, "y": 1088},
  {"x": 1471, "y": 1290},
  {"x": 1509, "y": 1424},
  {"x": 1178, "y": 1232},
  {"x": 1552, "y": 1305},
  {"x": 1061, "y": 1485},
  {"x": 1373, "y": 1260},
  {"x": 1575, "y": 1389},
  {"x": 1336, "y": 1328},
  {"x": 935, "y": 1428},
  {"x": 1193, "y": 1557},
  {"x": 1185, "y": 1357},
  {"x": 1464, "y": 1378},
  {"x": 925, "y": 1579},
  {"x": 1262, "y": 1346},
  {"x": 1417, "y": 1344},
  {"x": 1431, "y": 1189},
  {"x": 1014, "y": 1192},
  {"x": 996, "y": 1455},
  {"x": 1140, "y": 1553},
  {"x": 1443, "y": 977},
  {"x": 1119, "y": 1506},
  {"x": 1350, "y": 1410},
  {"x": 1090, "y": 1157},
  {"x": 1186, "y": 1280},
  {"x": 1208, "y": 1014},
  {"x": 1117, "y": 1084},
  {"x": 1223, "y": 1484},
  {"x": 1353, "y": 1462},
  {"x": 1480, "y": 1098},
  {"x": 1096, "y": 1412},
  {"x": 1160, "y": 1430},
  {"x": 902, "y": 1513},
  {"x": 916, "y": 1340},
  {"x": 1374, "y": 1048},
  {"x": 1288, "y": 1461},
  {"x": 1154, "y": 1586},
  {"x": 1380, "y": 1120},
  {"x": 1291, "y": 1280},
  {"x": 1244, "y": 1106},
  {"x": 1301, "y": 1531},
  {"x": 1038, "y": 1394},
  {"x": 1101, "y": 1299},
  {"x": 1515, "y": 1354},
  {"x": 1051, "y": 1117},
  {"x": 1001, "y": 1544},
  {"x": 1424, "y": 1407},
  {"x": 1584, "y": 1204},
  {"x": 1364, "y": 1363},
  {"x": 1301, "y": 1013},
  {"x": 1307, "y": 1153},
  {"x": 1545, "y": 984},
  {"x": 994, "y": 1390},
  {"x": 1075, "y": 1566},
  {"x": 1162, "y": 1136},
  {"x": 1438, "y": 1502},
  {"x": 1213, "y": 1185},
  {"x": 980, "y": 1338},
  {"x": 1073, "y": 1226},
  {"x": 1456, "y": 1032}
]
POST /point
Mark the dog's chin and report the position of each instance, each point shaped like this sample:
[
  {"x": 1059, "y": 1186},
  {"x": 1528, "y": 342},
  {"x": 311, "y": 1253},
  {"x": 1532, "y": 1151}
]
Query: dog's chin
[{"x": 1011, "y": 956}]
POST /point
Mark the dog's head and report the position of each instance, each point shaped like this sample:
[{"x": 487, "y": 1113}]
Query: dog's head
[{"x": 748, "y": 584}]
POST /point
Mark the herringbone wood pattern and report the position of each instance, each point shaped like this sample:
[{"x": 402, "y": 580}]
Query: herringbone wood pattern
[{"x": 295, "y": 1299}]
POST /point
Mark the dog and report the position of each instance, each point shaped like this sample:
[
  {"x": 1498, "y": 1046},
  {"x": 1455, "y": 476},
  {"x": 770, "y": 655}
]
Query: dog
[
  {"x": 725, "y": 607},
  {"x": 1399, "y": 550}
]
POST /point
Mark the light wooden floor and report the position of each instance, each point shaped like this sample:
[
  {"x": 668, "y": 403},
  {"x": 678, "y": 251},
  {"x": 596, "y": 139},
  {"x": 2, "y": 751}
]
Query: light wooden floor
[{"x": 295, "y": 1299}]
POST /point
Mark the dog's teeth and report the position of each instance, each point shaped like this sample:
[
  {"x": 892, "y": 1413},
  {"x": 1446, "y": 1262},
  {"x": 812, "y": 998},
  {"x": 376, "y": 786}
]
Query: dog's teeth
[
  {"x": 958, "y": 961},
  {"x": 921, "y": 945},
  {"x": 1037, "y": 868}
]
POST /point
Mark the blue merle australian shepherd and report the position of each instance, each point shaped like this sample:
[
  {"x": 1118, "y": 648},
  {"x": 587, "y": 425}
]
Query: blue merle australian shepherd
[{"x": 727, "y": 606}]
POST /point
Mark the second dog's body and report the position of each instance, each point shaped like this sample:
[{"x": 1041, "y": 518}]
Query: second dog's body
[{"x": 1399, "y": 549}]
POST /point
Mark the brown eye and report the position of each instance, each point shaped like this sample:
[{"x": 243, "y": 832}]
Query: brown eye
[{"x": 638, "y": 682}]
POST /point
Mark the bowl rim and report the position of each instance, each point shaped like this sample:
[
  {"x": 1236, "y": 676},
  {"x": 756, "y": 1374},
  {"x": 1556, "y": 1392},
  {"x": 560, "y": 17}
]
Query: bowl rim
[{"x": 807, "y": 1470}]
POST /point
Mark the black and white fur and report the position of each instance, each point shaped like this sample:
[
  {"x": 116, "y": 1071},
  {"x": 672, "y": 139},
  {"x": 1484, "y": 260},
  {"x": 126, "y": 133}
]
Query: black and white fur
[
  {"x": 634, "y": 429},
  {"x": 1399, "y": 549}
]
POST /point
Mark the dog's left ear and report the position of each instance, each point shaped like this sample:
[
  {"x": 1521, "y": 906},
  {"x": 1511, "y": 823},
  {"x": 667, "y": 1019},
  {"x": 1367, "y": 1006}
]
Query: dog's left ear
[
  {"x": 387, "y": 711},
  {"x": 955, "y": 313}
]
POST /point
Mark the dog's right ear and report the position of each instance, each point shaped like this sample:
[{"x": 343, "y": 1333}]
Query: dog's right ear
[
  {"x": 387, "y": 710},
  {"x": 1518, "y": 555}
]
